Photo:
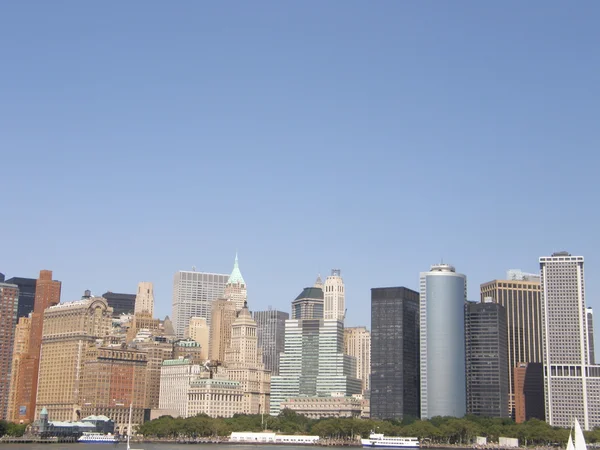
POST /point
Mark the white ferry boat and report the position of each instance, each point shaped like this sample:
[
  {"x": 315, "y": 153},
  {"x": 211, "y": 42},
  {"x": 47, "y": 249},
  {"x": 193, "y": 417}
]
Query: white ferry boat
[
  {"x": 98, "y": 438},
  {"x": 381, "y": 441}
]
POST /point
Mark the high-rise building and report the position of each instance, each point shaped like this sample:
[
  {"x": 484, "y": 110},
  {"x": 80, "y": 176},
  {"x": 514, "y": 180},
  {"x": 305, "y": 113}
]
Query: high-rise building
[
  {"x": 198, "y": 331},
  {"x": 357, "y": 343},
  {"x": 571, "y": 383},
  {"x": 309, "y": 304},
  {"x": 175, "y": 379},
  {"x": 223, "y": 314},
  {"x": 334, "y": 296},
  {"x": 157, "y": 350},
  {"x": 120, "y": 303},
  {"x": 20, "y": 349},
  {"x": 193, "y": 294},
  {"x": 144, "y": 299},
  {"x": 112, "y": 380},
  {"x": 47, "y": 294},
  {"x": 243, "y": 363},
  {"x": 486, "y": 359},
  {"x": 520, "y": 295},
  {"x": 9, "y": 304},
  {"x": 529, "y": 392},
  {"x": 395, "y": 351},
  {"x": 271, "y": 336},
  {"x": 26, "y": 294},
  {"x": 442, "y": 342},
  {"x": 590, "y": 327},
  {"x": 235, "y": 289},
  {"x": 70, "y": 329}
]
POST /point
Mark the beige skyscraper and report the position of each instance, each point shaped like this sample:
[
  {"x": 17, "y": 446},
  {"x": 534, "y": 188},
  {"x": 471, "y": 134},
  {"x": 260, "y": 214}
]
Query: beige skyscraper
[
  {"x": 357, "y": 343},
  {"x": 144, "y": 299},
  {"x": 20, "y": 350},
  {"x": 235, "y": 289},
  {"x": 334, "y": 296},
  {"x": 243, "y": 363},
  {"x": 198, "y": 330},
  {"x": 69, "y": 330},
  {"x": 222, "y": 316}
]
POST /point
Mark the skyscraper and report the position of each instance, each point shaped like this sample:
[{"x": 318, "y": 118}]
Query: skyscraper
[
  {"x": 20, "y": 350},
  {"x": 26, "y": 294},
  {"x": 235, "y": 289},
  {"x": 47, "y": 293},
  {"x": 571, "y": 383},
  {"x": 223, "y": 315},
  {"x": 394, "y": 353},
  {"x": 357, "y": 343},
  {"x": 590, "y": 326},
  {"x": 309, "y": 304},
  {"x": 193, "y": 294},
  {"x": 120, "y": 303},
  {"x": 69, "y": 330},
  {"x": 144, "y": 299},
  {"x": 334, "y": 296},
  {"x": 271, "y": 336},
  {"x": 486, "y": 359},
  {"x": 199, "y": 331},
  {"x": 520, "y": 294},
  {"x": 442, "y": 342},
  {"x": 9, "y": 304}
]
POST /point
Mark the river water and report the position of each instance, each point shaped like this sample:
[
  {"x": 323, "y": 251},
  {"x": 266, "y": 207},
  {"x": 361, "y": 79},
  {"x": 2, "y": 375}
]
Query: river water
[{"x": 161, "y": 446}]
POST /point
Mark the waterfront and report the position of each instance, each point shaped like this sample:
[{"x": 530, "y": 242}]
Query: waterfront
[{"x": 149, "y": 446}]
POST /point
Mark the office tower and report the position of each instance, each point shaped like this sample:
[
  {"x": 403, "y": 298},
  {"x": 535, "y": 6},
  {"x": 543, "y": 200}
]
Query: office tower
[
  {"x": 334, "y": 296},
  {"x": 223, "y": 315},
  {"x": 529, "y": 392},
  {"x": 144, "y": 300},
  {"x": 235, "y": 289},
  {"x": 70, "y": 329},
  {"x": 20, "y": 350},
  {"x": 9, "y": 304},
  {"x": 590, "y": 328},
  {"x": 198, "y": 331},
  {"x": 113, "y": 379},
  {"x": 520, "y": 294},
  {"x": 571, "y": 383},
  {"x": 357, "y": 343},
  {"x": 243, "y": 363},
  {"x": 394, "y": 353},
  {"x": 271, "y": 335},
  {"x": 157, "y": 350},
  {"x": 47, "y": 294},
  {"x": 309, "y": 304},
  {"x": 176, "y": 376},
  {"x": 442, "y": 342},
  {"x": 26, "y": 294},
  {"x": 120, "y": 303},
  {"x": 193, "y": 294},
  {"x": 2, "y": 278},
  {"x": 486, "y": 359}
]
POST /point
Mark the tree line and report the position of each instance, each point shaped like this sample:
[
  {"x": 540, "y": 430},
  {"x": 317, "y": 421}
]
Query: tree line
[
  {"x": 11, "y": 429},
  {"x": 438, "y": 430}
]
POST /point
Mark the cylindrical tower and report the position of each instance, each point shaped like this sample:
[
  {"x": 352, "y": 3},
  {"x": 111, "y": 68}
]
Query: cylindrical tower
[{"x": 443, "y": 381}]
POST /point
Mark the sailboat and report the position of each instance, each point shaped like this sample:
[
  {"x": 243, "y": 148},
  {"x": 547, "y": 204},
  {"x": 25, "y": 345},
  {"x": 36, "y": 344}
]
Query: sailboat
[
  {"x": 129, "y": 428},
  {"x": 579, "y": 443}
]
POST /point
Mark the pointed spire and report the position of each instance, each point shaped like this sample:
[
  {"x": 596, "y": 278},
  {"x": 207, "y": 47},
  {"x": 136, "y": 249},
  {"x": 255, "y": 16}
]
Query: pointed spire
[
  {"x": 319, "y": 282},
  {"x": 236, "y": 275}
]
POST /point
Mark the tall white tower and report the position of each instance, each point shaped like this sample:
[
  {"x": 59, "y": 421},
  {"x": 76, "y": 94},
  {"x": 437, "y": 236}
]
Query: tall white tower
[
  {"x": 571, "y": 382},
  {"x": 144, "y": 299},
  {"x": 334, "y": 294}
]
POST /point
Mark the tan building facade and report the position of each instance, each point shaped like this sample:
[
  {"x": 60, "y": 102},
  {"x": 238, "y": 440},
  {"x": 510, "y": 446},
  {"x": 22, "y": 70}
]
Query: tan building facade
[
  {"x": 156, "y": 352},
  {"x": 244, "y": 364},
  {"x": 357, "y": 343},
  {"x": 20, "y": 349},
  {"x": 144, "y": 299},
  {"x": 9, "y": 302},
  {"x": 199, "y": 331},
  {"x": 222, "y": 316},
  {"x": 113, "y": 379},
  {"x": 235, "y": 289},
  {"x": 70, "y": 329}
]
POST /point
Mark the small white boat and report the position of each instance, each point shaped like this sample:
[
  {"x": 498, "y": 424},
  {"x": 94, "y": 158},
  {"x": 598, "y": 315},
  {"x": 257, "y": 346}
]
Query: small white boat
[
  {"x": 98, "y": 438},
  {"x": 382, "y": 441}
]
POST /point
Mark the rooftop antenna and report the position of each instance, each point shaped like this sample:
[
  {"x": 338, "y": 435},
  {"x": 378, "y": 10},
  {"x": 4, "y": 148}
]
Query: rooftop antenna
[{"x": 193, "y": 268}]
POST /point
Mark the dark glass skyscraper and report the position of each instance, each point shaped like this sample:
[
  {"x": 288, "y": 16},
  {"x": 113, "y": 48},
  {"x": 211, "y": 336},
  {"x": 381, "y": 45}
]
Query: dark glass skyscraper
[
  {"x": 486, "y": 352},
  {"x": 271, "y": 336},
  {"x": 120, "y": 303},
  {"x": 395, "y": 387},
  {"x": 26, "y": 295}
]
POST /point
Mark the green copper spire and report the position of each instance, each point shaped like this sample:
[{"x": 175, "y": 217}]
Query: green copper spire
[{"x": 236, "y": 276}]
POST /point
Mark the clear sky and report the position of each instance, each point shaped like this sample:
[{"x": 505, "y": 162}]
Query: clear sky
[{"x": 141, "y": 138}]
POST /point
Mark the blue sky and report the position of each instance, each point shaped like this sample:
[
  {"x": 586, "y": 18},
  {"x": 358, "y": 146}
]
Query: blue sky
[{"x": 142, "y": 138}]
